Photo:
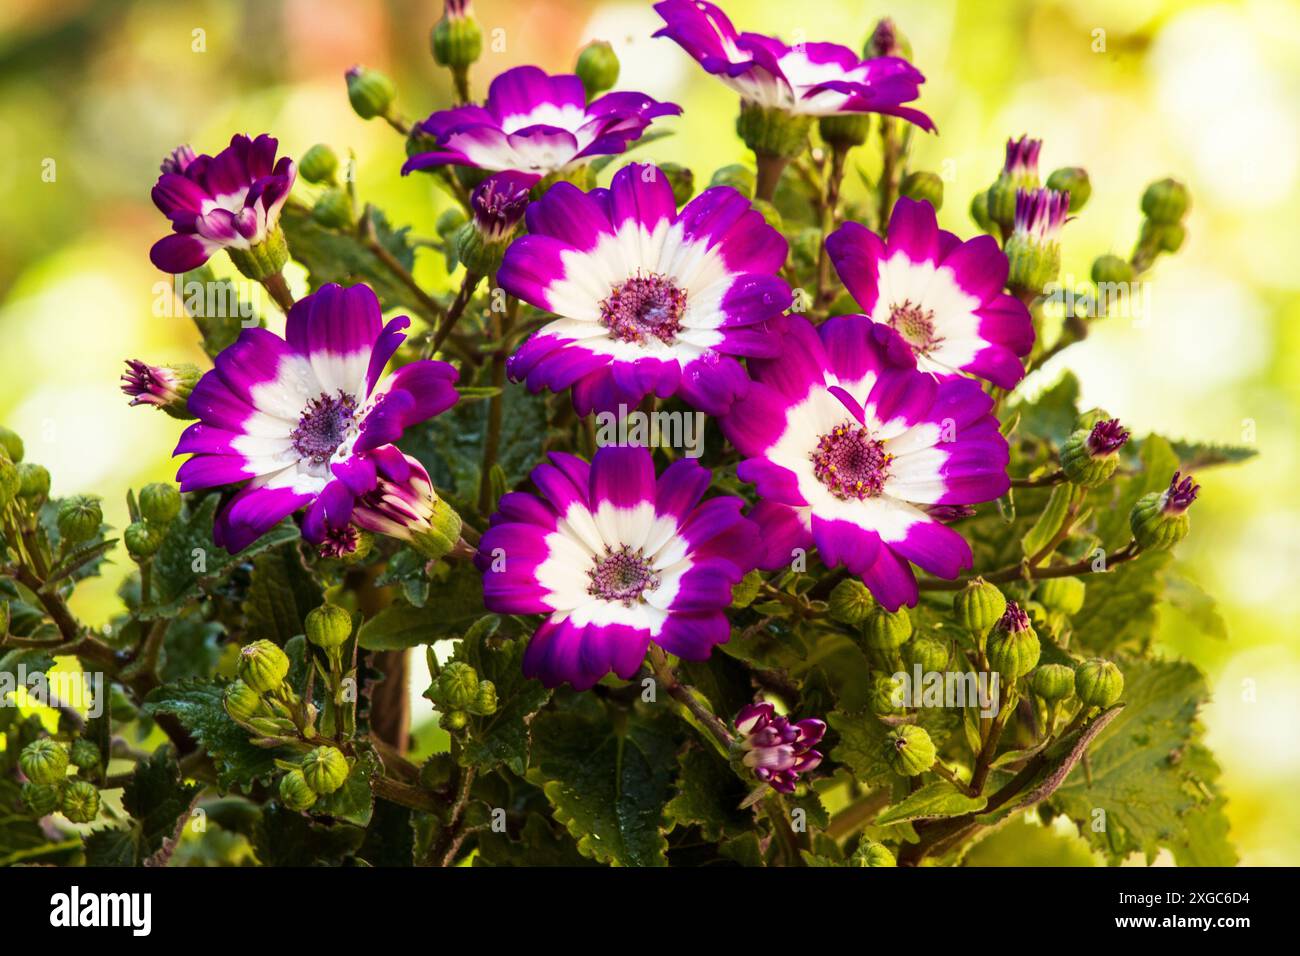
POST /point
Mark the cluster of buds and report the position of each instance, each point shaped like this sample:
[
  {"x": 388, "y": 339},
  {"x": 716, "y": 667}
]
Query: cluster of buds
[
  {"x": 262, "y": 700},
  {"x": 23, "y": 482},
  {"x": 458, "y": 692},
  {"x": 158, "y": 506},
  {"x": 776, "y": 750},
  {"x": 1164, "y": 204},
  {"x": 1159, "y": 520},
  {"x": 321, "y": 772},
  {"x": 163, "y": 386},
  {"x": 1091, "y": 455},
  {"x": 50, "y": 789}
]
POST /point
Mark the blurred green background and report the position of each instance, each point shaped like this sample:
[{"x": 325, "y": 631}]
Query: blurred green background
[{"x": 93, "y": 94}]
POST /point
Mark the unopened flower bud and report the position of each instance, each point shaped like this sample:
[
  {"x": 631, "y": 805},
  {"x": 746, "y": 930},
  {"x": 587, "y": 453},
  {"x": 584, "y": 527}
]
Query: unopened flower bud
[
  {"x": 845, "y": 130},
  {"x": 457, "y": 685},
  {"x": 1062, "y": 594},
  {"x": 1019, "y": 172},
  {"x": 160, "y": 503},
  {"x": 928, "y": 653},
  {"x": 485, "y": 700},
  {"x": 978, "y": 606},
  {"x": 1090, "y": 456},
  {"x": 295, "y": 793},
  {"x": 1098, "y": 683},
  {"x": 79, "y": 801},
  {"x": 456, "y": 40},
  {"x": 772, "y": 132},
  {"x": 263, "y": 666},
  {"x": 883, "y": 695},
  {"x": 33, "y": 481},
  {"x": 887, "y": 631},
  {"x": 40, "y": 799},
  {"x": 1013, "y": 647},
  {"x": 498, "y": 204},
  {"x": 1165, "y": 237},
  {"x": 909, "y": 750},
  {"x": 369, "y": 91},
  {"x": 597, "y": 68},
  {"x": 1112, "y": 270},
  {"x": 454, "y": 720},
  {"x": 1034, "y": 248},
  {"x": 886, "y": 40},
  {"x": 850, "y": 601},
  {"x": 348, "y": 544},
  {"x": 163, "y": 386},
  {"x": 10, "y": 482},
  {"x": 11, "y": 445},
  {"x": 241, "y": 702},
  {"x": 319, "y": 165},
  {"x": 1159, "y": 520},
  {"x": 328, "y": 626},
  {"x": 325, "y": 769},
  {"x": 1165, "y": 202},
  {"x": 84, "y": 755},
  {"x": 738, "y": 177},
  {"x": 142, "y": 540},
  {"x": 1052, "y": 682},
  {"x": 333, "y": 209},
  {"x": 775, "y": 748},
  {"x": 746, "y": 589},
  {"x": 44, "y": 761},
  {"x": 871, "y": 853},
  {"x": 979, "y": 211},
  {"x": 681, "y": 179},
  {"x": 79, "y": 518},
  {"x": 923, "y": 186},
  {"x": 1074, "y": 181}
]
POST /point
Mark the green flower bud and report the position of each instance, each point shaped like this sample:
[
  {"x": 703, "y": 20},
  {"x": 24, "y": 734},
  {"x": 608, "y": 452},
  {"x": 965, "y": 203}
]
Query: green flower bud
[
  {"x": 1073, "y": 180},
  {"x": 325, "y": 769},
  {"x": 923, "y": 186},
  {"x": 978, "y": 606},
  {"x": 1165, "y": 202},
  {"x": 772, "y": 132},
  {"x": 456, "y": 40},
  {"x": 1091, "y": 455},
  {"x": 744, "y": 592},
  {"x": 1112, "y": 270},
  {"x": 142, "y": 540},
  {"x": 33, "y": 481},
  {"x": 319, "y": 165},
  {"x": 885, "y": 631},
  {"x": 979, "y": 211},
  {"x": 738, "y": 177},
  {"x": 10, "y": 482},
  {"x": 1160, "y": 520},
  {"x": 454, "y": 720},
  {"x": 328, "y": 626},
  {"x": 1013, "y": 647},
  {"x": 84, "y": 754},
  {"x": 40, "y": 799},
  {"x": 242, "y": 703},
  {"x": 681, "y": 179},
  {"x": 850, "y": 601},
  {"x": 79, "y": 518},
  {"x": 333, "y": 209},
  {"x": 1052, "y": 682},
  {"x": 11, "y": 445},
  {"x": 485, "y": 701},
  {"x": 882, "y": 696},
  {"x": 1061, "y": 594},
  {"x": 79, "y": 801},
  {"x": 598, "y": 68},
  {"x": 845, "y": 130},
  {"x": 263, "y": 666},
  {"x": 437, "y": 540},
  {"x": 909, "y": 750},
  {"x": 160, "y": 503},
  {"x": 930, "y": 653},
  {"x": 457, "y": 685},
  {"x": 871, "y": 853},
  {"x": 1167, "y": 237},
  {"x": 263, "y": 260},
  {"x": 44, "y": 761},
  {"x": 370, "y": 92},
  {"x": 295, "y": 792},
  {"x": 1098, "y": 683}
]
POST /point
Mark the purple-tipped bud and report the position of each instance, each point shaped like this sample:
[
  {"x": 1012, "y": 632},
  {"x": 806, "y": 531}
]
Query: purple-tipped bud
[
  {"x": 456, "y": 9},
  {"x": 1107, "y": 437},
  {"x": 1180, "y": 495},
  {"x": 164, "y": 386},
  {"x": 499, "y": 202},
  {"x": 1022, "y": 157},
  {"x": 887, "y": 41},
  {"x": 775, "y": 749},
  {"x": 178, "y": 160},
  {"x": 1013, "y": 619},
  {"x": 1040, "y": 213}
]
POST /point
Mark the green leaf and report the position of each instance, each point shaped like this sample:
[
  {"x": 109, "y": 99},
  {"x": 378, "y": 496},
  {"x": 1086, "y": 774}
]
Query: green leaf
[
  {"x": 1195, "y": 603},
  {"x": 197, "y": 705},
  {"x": 608, "y": 782},
  {"x": 1149, "y": 773},
  {"x": 285, "y": 838},
  {"x": 398, "y": 627},
  {"x": 1053, "y": 414},
  {"x": 455, "y": 602},
  {"x": 114, "y": 846},
  {"x": 215, "y": 307},
  {"x": 188, "y": 561},
  {"x": 934, "y": 800},
  {"x": 538, "y": 845},
  {"x": 353, "y": 802},
  {"x": 1195, "y": 455},
  {"x": 502, "y": 737},
  {"x": 1049, "y": 521},
  {"x": 1119, "y": 607},
  {"x": 159, "y": 800},
  {"x": 709, "y": 795},
  {"x": 862, "y": 746},
  {"x": 279, "y": 597},
  {"x": 1024, "y": 842}
]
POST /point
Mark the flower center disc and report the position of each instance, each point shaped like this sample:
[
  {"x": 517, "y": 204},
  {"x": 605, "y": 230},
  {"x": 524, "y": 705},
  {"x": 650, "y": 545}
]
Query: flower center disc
[
  {"x": 621, "y": 576},
  {"x": 324, "y": 424},
  {"x": 850, "y": 463},
  {"x": 644, "y": 307},
  {"x": 915, "y": 325}
]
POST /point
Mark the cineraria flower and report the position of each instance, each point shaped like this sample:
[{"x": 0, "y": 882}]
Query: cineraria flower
[
  {"x": 618, "y": 560},
  {"x": 775, "y": 749},
  {"x": 807, "y": 79},
  {"x": 649, "y": 299},
  {"x": 942, "y": 295},
  {"x": 296, "y": 418},
  {"x": 229, "y": 201},
  {"x": 162, "y": 386},
  {"x": 1180, "y": 494},
  {"x": 536, "y": 123},
  {"x": 848, "y": 443},
  {"x": 403, "y": 505}
]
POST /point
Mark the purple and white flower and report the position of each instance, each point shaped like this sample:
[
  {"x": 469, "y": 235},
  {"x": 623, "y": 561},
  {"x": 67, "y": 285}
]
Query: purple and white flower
[
  {"x": 228, "y": 201},
  {"x": 296, "y": 419},
  {"x": 943, "y": 296},
  {"x": 535, "y": 123},
  {"x": 849, "y": 445},
  {"x": 807, "y": 79},
  {"x": 617, "y": 559},
  {"x": 649, "y": 299},
  {"x": 404, "y": 505},
  {"x": 776, "y": 749}
]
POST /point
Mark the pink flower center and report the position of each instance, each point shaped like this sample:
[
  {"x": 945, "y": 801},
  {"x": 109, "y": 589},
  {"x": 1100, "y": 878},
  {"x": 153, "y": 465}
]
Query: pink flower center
[
  {"x": 850, "y": 463},
  {"x": 915, "y": 325},
  {"x": 325, "y": 423},
  {"x": 644, "y": 307},
  {"x": 621, "y": 576}
]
